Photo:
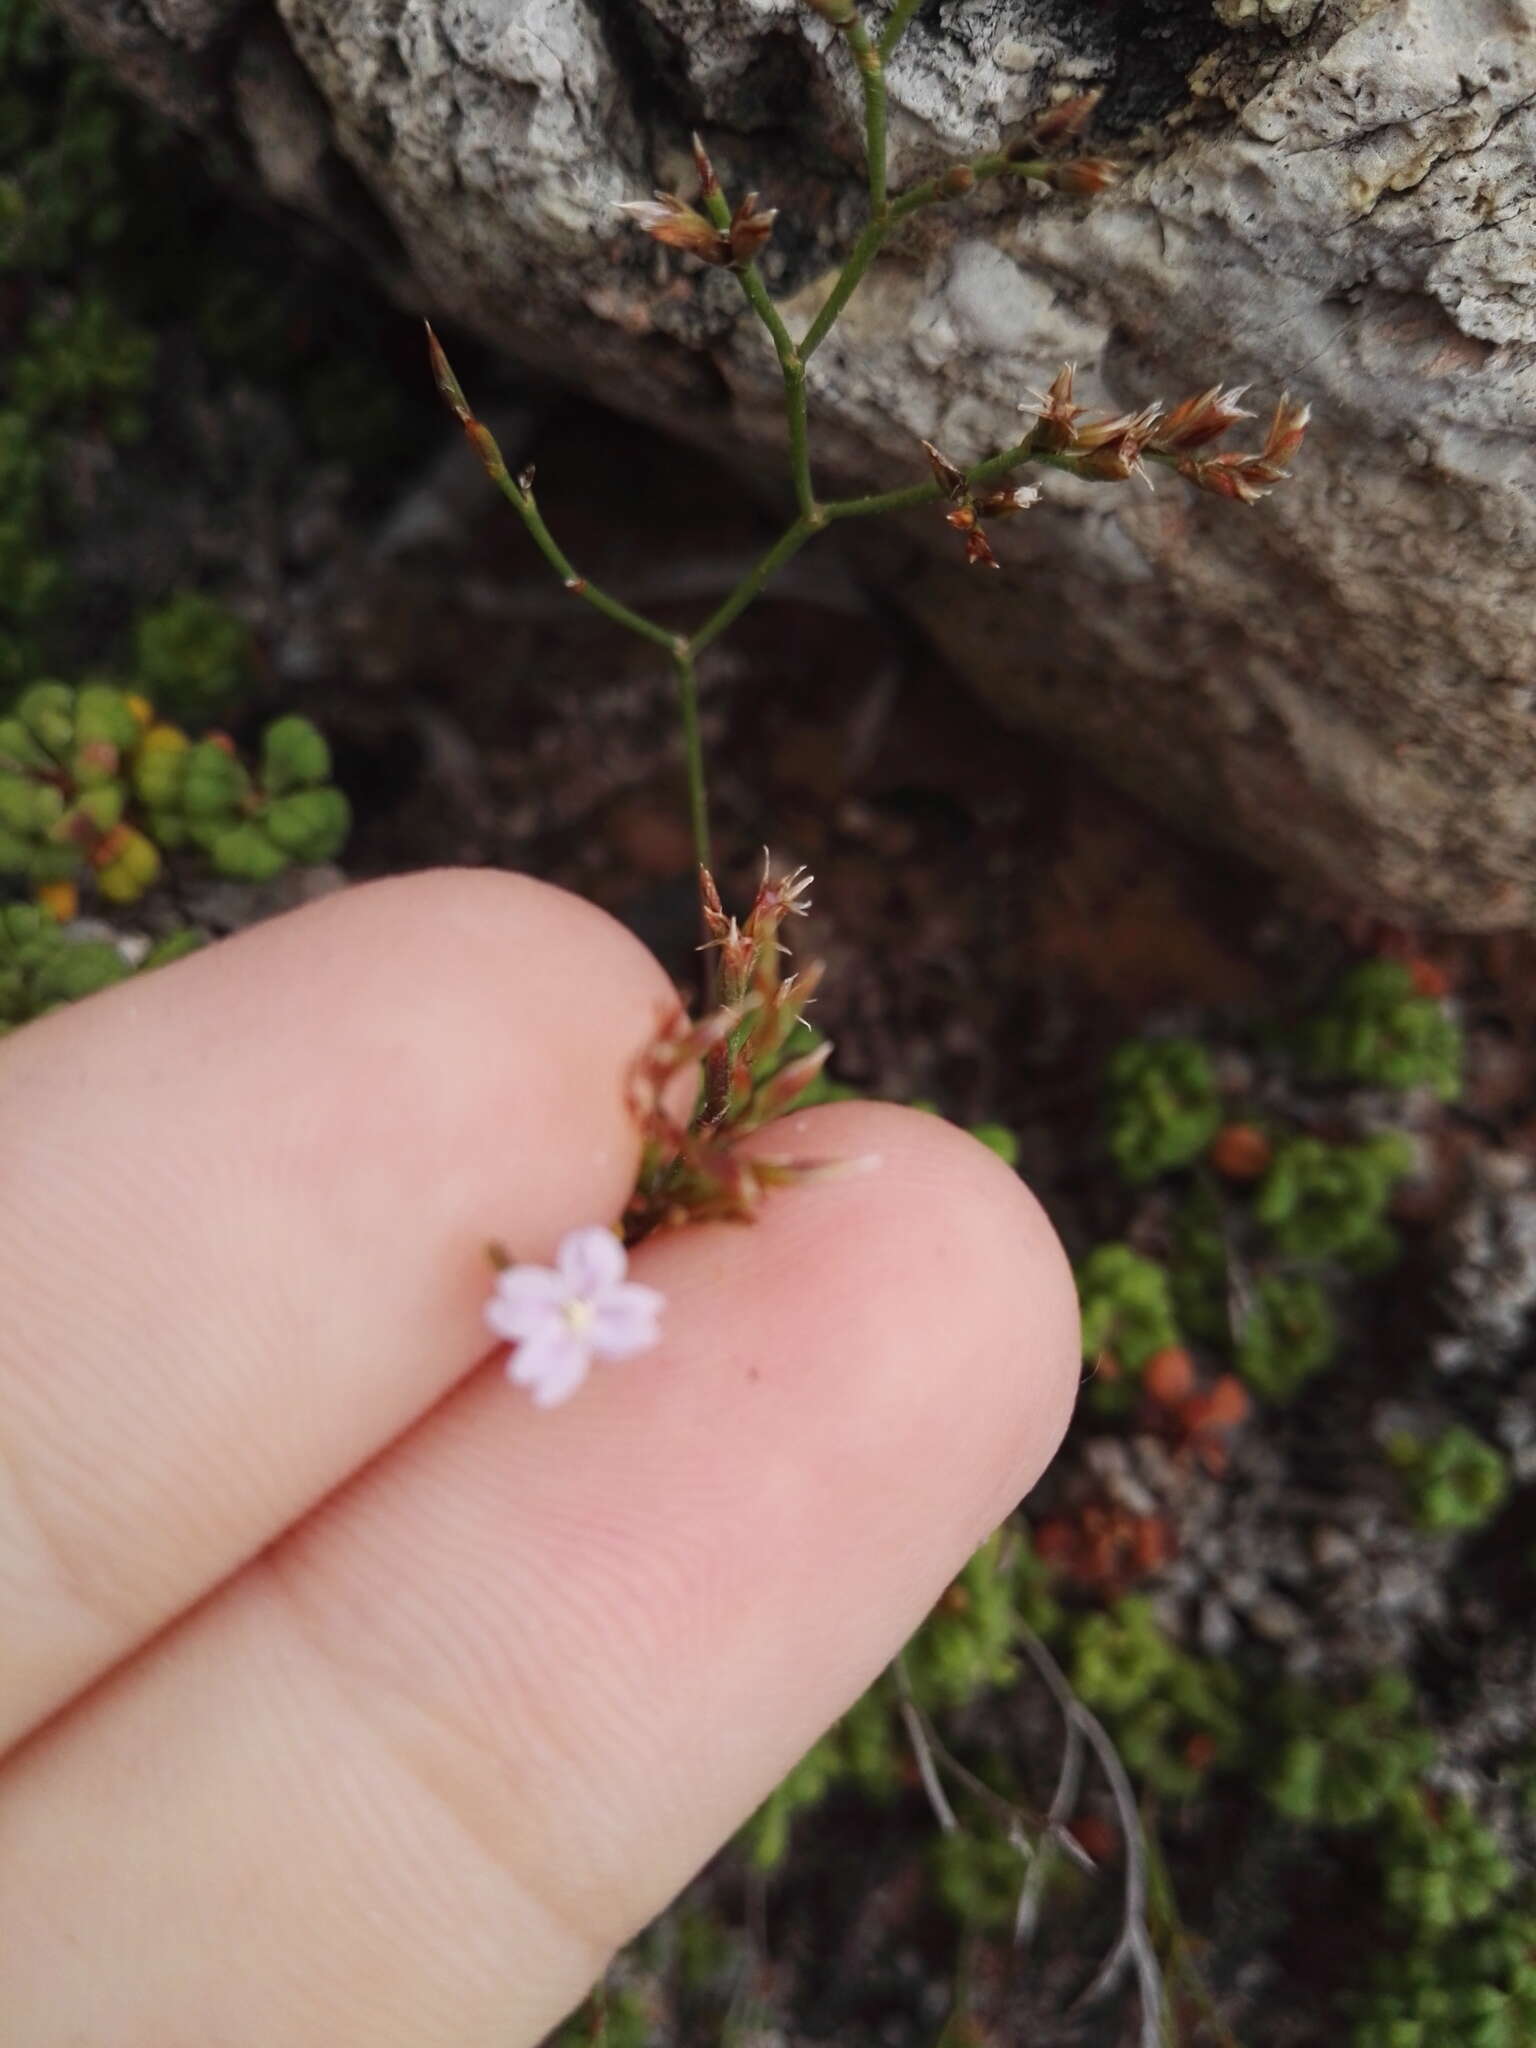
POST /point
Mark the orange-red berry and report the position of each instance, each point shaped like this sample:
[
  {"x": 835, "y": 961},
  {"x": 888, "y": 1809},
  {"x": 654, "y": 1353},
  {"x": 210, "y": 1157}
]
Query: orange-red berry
[
  {"x": 1241, "y": 1152},
  {"x": 1168, "y": 1377}
]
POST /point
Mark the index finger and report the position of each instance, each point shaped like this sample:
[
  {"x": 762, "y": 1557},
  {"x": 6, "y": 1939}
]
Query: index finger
[{"x": 241, "y": 1217}]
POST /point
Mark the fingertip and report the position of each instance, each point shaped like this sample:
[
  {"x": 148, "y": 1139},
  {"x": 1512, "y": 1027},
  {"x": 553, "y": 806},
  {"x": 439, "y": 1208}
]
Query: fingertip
[
  {"x": 284, "y": 1156},
  {"x": 961, "y": 1242}
]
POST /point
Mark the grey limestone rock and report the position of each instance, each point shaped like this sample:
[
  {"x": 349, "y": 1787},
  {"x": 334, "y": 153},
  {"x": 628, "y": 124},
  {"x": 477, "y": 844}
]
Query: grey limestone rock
[{"x": 1337, "y": 197}]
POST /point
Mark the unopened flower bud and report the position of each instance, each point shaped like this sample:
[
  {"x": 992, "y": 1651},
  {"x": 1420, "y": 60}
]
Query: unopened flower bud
[
  {"x": 781, "y": 1090},
  {"x": 1056, "y": 414},
  {"x": 483, "y": 441},
  {"x": 1196, "y": 421},
  {"x": 61, "y": 900},
  {"x": 1084, "y": 176},
  {"x": 713, "y": 909},
  {"x": 950, "y": 479},
  {"x": 668, "y": 220},
  {"x": 447, "y": 383},
  {"x": 126, "y": 864},
  {"x": 738, "y": 955},
  {"x": 1286, "y": 431},
  {"x": 1228, "y": 476},
  {"x": 751, "y": 226},
  {"x": 709, "y": 184},
  {"x": 998, "y": 504},
  {"x": 777, "y": 898},
  {"x": 1067, "y": 119},
  {"x": 1116, "y": 429}
]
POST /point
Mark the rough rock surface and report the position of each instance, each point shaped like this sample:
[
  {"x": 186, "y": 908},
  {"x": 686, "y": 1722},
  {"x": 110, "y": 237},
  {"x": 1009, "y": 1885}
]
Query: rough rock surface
[{"x": 1338, "y": 196}]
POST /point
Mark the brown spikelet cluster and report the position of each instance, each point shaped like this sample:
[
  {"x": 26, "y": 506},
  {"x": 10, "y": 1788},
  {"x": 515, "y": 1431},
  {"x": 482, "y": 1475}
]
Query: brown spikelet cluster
[
  {"x": 476, "y": 433},
  {"x": 1114, "y": 448},
  {"x": 753, "y": 1070},
  {"x": 726, "y": 243},
  {"x": 1082, "y": 177},
  {"x": 967, "y": 506},
  {"x": 1249, "y": 477}
]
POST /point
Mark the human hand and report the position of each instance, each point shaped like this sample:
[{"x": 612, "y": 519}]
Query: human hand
[{"x": 344, "y": 1697}]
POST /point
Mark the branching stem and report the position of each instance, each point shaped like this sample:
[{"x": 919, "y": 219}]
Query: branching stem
[
  {"x": 870, "y": 55},
  {"x": 955, "y": 183},
  {"x": 791, "y": 362},
  {"x": 792, "y": 369},
  {"x": 896, "y": 25},
  {"x": 579, "y": 586},
  {"x": 870, "y": 59},
  {"x": 693, "y": 754}
]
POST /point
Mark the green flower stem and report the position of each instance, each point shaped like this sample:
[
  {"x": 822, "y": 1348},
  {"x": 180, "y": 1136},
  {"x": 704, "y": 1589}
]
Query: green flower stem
[
  {"x": 610, "y": 607},
  {"x": 791, "y": 364},
  {"x": 896, "y": 26},
  {"x": 954, "y": 183},
  {"x": 795, "y": 537},
  {"x": 870, "y": 60},
  {"x": 693, "y": 753},
  {"x": 792, "y": 368},
  {"x": 635, "y": 622},
  {"x": 986, "y": 472},
  {"x": 751, "y": 585}
]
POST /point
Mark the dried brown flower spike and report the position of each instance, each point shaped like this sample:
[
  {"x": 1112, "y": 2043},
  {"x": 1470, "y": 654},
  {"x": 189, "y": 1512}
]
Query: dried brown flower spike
[
  {"x": 966, "y": 505},
  {"x": 1247, "y": 478},
  {"x": 672, "y": 221},
  {"x": 693, "y": 1170}
]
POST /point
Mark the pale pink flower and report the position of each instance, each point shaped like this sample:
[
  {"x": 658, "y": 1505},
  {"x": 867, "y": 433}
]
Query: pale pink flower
[{"x": 559, "y": 1319}]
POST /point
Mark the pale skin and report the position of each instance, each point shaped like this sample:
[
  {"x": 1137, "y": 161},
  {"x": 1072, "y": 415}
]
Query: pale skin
[{"x": 343, "y": 1696}]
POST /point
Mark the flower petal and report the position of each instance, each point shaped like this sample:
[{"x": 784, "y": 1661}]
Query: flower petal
[
  {"x": 552, "y": 1365},
  {"x": 590, "y": 1260},
  {"x": 525, "y": 1298},
  {"x": 626, "y": 1320},
  {"x": 622, "y": 1333},
  {"x": 556, "y": 1387}
]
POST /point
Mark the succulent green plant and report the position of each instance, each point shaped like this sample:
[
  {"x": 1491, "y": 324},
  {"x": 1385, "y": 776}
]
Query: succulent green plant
[
  {"x": 1126, "y": 1304},
  {"x": 1456, "y": 1481},
  {"x": 1379, "y": 1031},
  {"x": 1175, "y": 1717},
  {"x": 1199, "y": 1280},
  {"x": 615, "y": 2016},
  {"x": 91, "y": 790},
  {"x": 84, "y": 363},
  {"x": 1288, "y": 1333},
  {"x": 966, "y": 1645},
  {"x": 963, "y": 1649},
  {"x": 978, "y": 1878},
  {"x": 860, "y": 1750},
  {"x": 72, "y": 358},
  {"x": 999, "y": 1139},
  {"x": 1441, "y": 1867},
  {"x": 251, "y": 826},
  {"x": 1471, "y": 1987},
  {"x": 191, "y": 658},
  {"x": 1162, "y": 1108},
  {"x": 1324, "y": 1201},
  {"x": 43, "y": 967},
  {"x": 63, "y": 148},
  {"x": 1440, "y": 2016},
  {"x": 1341, "y": 1764}
]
